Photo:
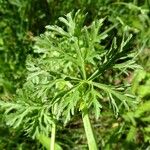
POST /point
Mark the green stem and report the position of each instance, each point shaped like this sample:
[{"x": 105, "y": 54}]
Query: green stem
[
  {"x": 83, "y": 70},
  {"x": 89, "y": 131},
  {"x": 52, "y": 143},
  {"x": 82, "y": 64}
]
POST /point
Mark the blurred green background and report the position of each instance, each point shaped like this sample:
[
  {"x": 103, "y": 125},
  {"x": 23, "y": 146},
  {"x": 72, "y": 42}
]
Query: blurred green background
[{"x": 22, "y": 20}]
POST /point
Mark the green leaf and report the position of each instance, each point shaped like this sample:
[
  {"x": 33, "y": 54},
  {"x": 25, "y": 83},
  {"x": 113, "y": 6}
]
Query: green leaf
[
  {"x": 125, "y": 100},
  {"x": 145, "y": 107},
  {"x": 131, "y": 134},
  {"x": 138, "y": 77},
  {"x": 45, "y": 141}
]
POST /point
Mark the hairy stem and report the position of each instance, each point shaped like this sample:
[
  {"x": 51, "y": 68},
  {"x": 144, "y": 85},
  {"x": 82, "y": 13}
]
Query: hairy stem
[
  {"x": 52, "y": 143},
  {"x": 89, "y": 131}
]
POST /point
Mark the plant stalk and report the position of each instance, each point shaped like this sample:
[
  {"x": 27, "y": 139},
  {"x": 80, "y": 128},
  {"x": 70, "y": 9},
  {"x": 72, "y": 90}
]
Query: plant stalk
[
  {"x": 89, "y": 131},
  {"x": 53, "y": 132}
]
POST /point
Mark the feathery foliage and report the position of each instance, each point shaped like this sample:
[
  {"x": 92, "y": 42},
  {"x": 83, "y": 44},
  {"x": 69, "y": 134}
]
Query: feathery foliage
[{"x": 60, "y": 83}]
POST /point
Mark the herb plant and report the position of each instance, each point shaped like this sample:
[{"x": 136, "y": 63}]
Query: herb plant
[{"x": 66, "y": 78}]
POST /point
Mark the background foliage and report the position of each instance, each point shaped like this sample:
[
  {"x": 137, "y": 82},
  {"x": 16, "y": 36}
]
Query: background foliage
[{"x": 23, "y": 20}]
